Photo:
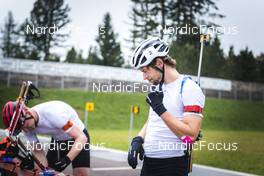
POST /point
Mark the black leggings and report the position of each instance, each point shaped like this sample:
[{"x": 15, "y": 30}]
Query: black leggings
[
  {"x": 81, "y": 160},
  {"x": 176, "y": 166}
]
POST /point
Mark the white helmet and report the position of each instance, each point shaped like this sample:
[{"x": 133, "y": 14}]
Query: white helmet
[{"x": 148, "y": 50}]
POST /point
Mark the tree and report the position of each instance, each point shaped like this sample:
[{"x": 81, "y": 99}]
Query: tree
[
  {"x": 134, "y": 32},
  {"x": 242, "y": 66},
  {"x": 153, "y": 17},
  {"x": 46, "y": 19},
  {"x": 79, "y": 58},
  {"x": 74, "y": 57},
  {"x": 93, "y": 57},
  {"x": 9, "y": 39},
  {"x": 191, "y": 14},
  {"x": 53, "y": 58},
  {"x": 144, "y": 20},
  {"x": 227, "y": 72},
  {"x": 213, "y": 59},
  {"x": 260, "y": 68},
  {"x": 245, "y": 66},
  {"x": 71, "y": 55},
  {"x": 110, "y": 49},
  {"x": 187, "y": 57}
]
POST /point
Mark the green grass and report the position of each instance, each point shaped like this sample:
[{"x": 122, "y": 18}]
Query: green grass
[
  {"x": 248, "y": 156},
  {"x": 225, "y": 120},
  {"x": 112, "y": 109}
]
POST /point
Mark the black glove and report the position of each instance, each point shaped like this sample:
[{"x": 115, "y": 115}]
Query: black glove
[
  {"x": 14, "y": 150},
  {"x": 200, "y": 136},
  {"x": 154, "y": 99},
  {"x": 62, "y": 164},
  {"x": 27, "y": 163},
  {"x": 135, "y": 149}
]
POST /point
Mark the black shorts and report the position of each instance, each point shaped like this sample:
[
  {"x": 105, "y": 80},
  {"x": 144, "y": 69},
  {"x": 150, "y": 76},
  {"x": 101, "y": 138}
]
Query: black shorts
[
  {"x": 56, "y": 152},
  {"x": 176, "y": 166}
]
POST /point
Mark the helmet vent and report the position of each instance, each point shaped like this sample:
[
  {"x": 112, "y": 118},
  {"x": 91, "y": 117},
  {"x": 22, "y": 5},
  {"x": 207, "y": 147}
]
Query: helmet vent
[
  {"x": 156, "y": 45},
  {"x": 144, "y": 59},
  {"x": 137, "y": 60},
  {"x": 162, "y": 48}
]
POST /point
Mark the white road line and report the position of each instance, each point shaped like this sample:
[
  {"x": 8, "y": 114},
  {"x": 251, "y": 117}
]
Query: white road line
[
  {"x": 112, "y": 168},
  {"x": 96, "y": 148}
]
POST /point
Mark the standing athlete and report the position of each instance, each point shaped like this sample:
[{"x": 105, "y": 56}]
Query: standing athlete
[
  {"x": 175, "y": 114},
  {"x": 69, "y": 135}
]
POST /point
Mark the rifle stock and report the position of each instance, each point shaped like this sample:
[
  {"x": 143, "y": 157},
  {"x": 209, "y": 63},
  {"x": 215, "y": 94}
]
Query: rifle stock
[{"x": 22, "y": 100}]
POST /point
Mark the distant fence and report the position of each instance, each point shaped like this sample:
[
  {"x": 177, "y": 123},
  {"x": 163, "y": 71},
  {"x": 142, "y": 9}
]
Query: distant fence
[{"x": 105, "y": 79}]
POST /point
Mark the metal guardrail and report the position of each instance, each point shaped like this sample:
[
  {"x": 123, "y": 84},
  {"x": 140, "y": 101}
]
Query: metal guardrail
[{"x": 93, "y": 72}]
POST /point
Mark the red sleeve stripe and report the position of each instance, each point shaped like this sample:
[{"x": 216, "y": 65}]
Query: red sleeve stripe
[
  {"x": 193, "y": 108},
  {"x": 68, "y": 125}
]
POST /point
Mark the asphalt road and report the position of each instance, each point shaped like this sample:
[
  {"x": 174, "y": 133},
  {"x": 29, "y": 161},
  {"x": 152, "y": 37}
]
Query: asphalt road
[{"x": 110, "y": 162}]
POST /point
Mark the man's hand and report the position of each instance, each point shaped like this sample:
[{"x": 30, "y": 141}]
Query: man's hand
[
  {"x": 13, "y": 149},
  {"x": 154, "y": 99},
  {"x": 27, "y": 163},
  {"x": 62, "y": 164},
  {"x": 135, "y": 150}
]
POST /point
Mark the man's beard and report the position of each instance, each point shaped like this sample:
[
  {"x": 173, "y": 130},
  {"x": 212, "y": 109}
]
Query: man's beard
[{"x": 155, "y": 81}]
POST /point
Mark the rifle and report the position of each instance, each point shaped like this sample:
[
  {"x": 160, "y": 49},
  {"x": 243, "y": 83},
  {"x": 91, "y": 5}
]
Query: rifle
[{"x": 28, "y": 91}]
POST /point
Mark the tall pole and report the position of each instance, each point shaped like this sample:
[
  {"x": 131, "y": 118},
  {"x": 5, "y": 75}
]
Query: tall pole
[
  {"x": 131, "y": 125},
  {"x": 86, "y": 118},
  {"x": 203, "y": 38}
]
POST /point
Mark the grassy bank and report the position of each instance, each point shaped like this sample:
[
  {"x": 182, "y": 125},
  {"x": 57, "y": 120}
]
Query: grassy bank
[{"x": 112, "y": 109}]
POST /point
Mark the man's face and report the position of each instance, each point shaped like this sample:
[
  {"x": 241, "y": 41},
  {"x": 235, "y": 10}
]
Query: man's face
[
  {"x": 29, "y": 123},
  {"x": 151, "y": 74}
]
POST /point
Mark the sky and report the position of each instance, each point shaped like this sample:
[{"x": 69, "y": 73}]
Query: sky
[{"x": 246, "y": 16}]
